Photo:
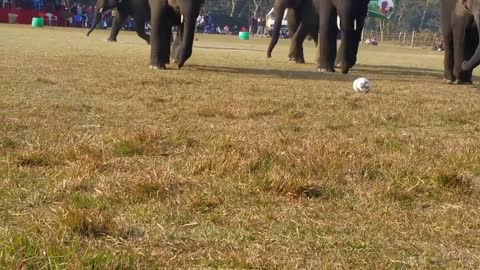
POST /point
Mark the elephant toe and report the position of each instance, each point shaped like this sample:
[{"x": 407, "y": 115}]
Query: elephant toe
[
  {"x": 447, "y": 81},
  {"x": 325, "y": 70},
  {"x": 161, "y": 66}
]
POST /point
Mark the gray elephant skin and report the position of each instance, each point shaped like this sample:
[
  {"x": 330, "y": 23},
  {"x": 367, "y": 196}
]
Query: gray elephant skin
[
  {"x": 318, "y": 18},
  {"x": 302, "y": 21},
  {"x": 348, "y": 11},
  {"x": 139, "y": 10},
  {"x": 459, "y": 22},
  {"x": 164, "y": 15}
]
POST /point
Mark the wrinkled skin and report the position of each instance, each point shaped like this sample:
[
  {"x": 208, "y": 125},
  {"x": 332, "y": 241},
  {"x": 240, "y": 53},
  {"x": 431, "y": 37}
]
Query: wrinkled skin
[
  {"x": 348, "y": 11},
  {"x": 164, "y": 15},
  {"x": 459, "y": 22},
  {"x": 139, "y": 10},
  {"x": 301, "y": 22}
]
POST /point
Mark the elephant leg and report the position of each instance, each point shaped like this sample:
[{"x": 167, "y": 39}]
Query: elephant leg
[
  {"x": 307, "y": 26},
  {"x": 448, "y": 62},
  {"x": 118, "y": 22},
  {"x": 326, "y": 44},
  {"x": 177, "y": 44},
  {"x": 471, "y": 41},
  {"x": 347, "y": 36},
  {"x": 140, "y": 28},
  {"x": 160, "y": 35},
  {"x": 360, "y": 23},
  {"x": 293, "y": 20},
  {"x": 300, "y": 38},
  {"x": 458, "y": 51}
]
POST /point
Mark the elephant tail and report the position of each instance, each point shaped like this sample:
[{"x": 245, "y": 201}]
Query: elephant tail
[
  {"x": 279, "y": 14},
  {"x": 96, "y": 20}
]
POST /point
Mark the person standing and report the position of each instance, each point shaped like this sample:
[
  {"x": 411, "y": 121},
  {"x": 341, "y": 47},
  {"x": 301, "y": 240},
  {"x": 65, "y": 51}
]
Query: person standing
[
  {"x": 261, "y": 26},
  {"x": 90, "y": 16},
  {"x": 251, "y": 25}
]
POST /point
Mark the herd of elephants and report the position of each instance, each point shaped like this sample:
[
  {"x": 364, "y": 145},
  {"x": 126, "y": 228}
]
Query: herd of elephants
[{"x": 320, "y": 19}]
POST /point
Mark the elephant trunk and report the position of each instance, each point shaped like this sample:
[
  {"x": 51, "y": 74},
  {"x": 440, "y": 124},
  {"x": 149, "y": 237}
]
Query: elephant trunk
[
  {"x": 188, "y": 21},
  {"x": 475, "y": 60},
  {"x": 96, "y": 20},
  {"x": 279, "y": 14}
]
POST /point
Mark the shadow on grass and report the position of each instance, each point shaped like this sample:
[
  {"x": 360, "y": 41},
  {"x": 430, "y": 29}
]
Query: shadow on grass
[
  {"x": 229, "y": 49},
  {"x": 293, "y": 74},
  {"x": 373, "y": 71}
]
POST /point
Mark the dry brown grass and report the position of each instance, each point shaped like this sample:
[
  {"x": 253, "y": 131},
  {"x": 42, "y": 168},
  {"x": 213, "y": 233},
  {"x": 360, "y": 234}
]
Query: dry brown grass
[{"x": 234, "y": 161}]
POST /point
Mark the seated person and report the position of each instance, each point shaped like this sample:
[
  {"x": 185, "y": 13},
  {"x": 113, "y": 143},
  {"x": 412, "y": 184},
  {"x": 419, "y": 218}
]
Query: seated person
[
  {"x": 371, "y": 41},
  {"x": 438, "y": 46},
  {"x": 208, "y": 29},
  {"x": 234, "y": 30}
]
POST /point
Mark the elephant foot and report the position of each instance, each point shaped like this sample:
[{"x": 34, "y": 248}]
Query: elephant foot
[
  {"x": 325, "y": 70},
  {"x": 180, "y": 65},
  {"x": 161, "y": 66},
  {"x": 300, "y": 60},
  {"x": 447, "y": 81},
  {"x": 345, "y": 70},
  {"x": 111, "y": 40},
  {"x": 339, "y": 65},
  {"x": 461, "y": 82}
]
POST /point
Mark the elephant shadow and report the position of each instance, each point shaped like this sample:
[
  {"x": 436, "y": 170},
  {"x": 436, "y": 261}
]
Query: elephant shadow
[
  {"x": 373, "y": 72},
  {"x": 289, "y": 74}
]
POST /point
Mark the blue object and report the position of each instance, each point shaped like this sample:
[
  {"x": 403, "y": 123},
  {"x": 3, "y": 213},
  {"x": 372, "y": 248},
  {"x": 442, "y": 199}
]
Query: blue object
[
  {"x": 77, "y": 19},
  {"x": 38, "y": 4}
]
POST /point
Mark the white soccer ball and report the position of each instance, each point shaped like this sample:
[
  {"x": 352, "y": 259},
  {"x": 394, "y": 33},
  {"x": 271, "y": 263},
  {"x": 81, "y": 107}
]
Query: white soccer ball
[{"x": 361, "y": 85}]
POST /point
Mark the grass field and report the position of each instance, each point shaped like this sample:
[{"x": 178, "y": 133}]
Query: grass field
[{"x": 235, "y": 161}]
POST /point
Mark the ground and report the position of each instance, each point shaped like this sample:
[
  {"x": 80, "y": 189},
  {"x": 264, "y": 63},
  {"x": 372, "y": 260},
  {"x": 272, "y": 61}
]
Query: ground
[{"x": 233, "y": 161}]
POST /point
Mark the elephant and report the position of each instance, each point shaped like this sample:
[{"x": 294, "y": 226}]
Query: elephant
[
  {"x": 299, "y": 26},
  {"x": 360, "y": 13},
  {"x": 348, "y": 11},
  {"x": 305, "y": 21},
  {"x": 460, "y": 24},
  {"x": 138, "y": 9},
  {"x": 164, "y": 15}
]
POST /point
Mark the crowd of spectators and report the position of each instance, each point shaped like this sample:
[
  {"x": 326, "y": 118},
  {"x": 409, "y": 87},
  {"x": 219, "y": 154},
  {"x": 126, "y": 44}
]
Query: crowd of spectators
[
  {"x": 206, "y": 24},
  {"x": 257, "y": 26},
  {"x": 79, "y": 15}
]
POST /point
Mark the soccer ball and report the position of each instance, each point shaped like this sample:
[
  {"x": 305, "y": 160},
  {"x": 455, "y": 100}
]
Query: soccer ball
[{"x": 361, "y": 85}]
